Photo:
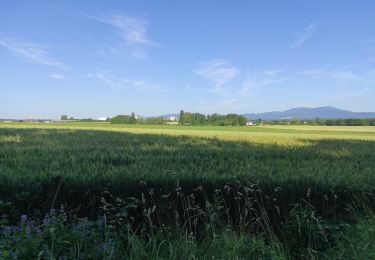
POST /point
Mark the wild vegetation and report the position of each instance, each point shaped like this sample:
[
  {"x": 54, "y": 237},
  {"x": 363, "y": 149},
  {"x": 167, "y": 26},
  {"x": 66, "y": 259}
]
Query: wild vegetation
[{"x": 73, "y": 190}]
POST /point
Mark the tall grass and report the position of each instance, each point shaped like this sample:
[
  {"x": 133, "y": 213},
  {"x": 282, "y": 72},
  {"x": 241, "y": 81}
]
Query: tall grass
[
  {"x": 91, "y": 161},
  {"x": 188, "y": 197}
]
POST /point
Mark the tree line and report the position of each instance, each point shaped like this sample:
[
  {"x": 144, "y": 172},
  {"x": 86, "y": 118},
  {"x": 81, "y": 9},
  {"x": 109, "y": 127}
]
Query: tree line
[
  {"x": 351, "y": 122},
  {"x": 328, "y": 122},
  {"x": 188, "y": 118},
  {"x": 185, "y": 118},
  {"x": 124, "y": 119}
]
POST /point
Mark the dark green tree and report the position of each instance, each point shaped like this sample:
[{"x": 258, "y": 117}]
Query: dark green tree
[
  {"x": 242, "y": 120},
  {"x": 182, "y": 116},
  {"x": 132, "y": 119}
]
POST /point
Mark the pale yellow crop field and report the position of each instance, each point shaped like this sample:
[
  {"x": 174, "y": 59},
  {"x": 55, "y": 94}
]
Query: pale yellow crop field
[{"x": 271, "y": 134}]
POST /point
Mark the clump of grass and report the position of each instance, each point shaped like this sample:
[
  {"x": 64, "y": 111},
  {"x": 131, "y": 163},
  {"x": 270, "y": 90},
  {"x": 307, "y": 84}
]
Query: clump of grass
[
  {"x": 10, "y": 138},
  {"x": 357, "y": 241}
]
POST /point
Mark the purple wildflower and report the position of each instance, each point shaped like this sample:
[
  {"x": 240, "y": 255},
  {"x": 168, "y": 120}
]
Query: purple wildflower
[{"x": 23, "y": 218}]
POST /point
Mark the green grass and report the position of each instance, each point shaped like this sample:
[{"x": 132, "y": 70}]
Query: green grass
[
  {"x": 348, "y": 132},
  {"x": 118, "y": 160},
  {"x": 221, "y": 172}
]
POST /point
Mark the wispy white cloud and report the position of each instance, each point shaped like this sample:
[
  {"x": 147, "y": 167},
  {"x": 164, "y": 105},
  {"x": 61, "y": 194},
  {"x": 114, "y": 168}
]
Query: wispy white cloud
[
  {"x": 262, "y": 79},
  {"x": 219, "y": 72},
  {"x": 303, "y": 36},
  {"x": 356, "y": 84},
  {"x": 346, "y": 83},
  {"x": 116, "y": 82},
  {"x": 133, "y": 32},
  {"x": 339, "y": 76},
  {"x": 30, "y": 52},
  {"x": 55, "y": 75}
]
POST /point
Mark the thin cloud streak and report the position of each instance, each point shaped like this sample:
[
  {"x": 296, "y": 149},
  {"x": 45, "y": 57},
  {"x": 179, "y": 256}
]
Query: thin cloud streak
[
  {"x": 116, "y": 82},
  {"x": 219, "y": 72},
  {"x": 30, "y": 52},
  {"x": 340, "y": 76},
  {"x": 303, "y": 36},
  {"x": 56, "y": 76},
  {"x": 133, "y": 32},
  {"x": 262, "y": 79}
]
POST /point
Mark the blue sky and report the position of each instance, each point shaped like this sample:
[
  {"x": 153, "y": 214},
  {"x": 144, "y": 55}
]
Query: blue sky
[{"x": 102, "y": 58}]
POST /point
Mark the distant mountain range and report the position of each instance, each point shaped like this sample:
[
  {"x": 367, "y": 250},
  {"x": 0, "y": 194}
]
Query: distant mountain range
[{"x": 311, "y": 113}]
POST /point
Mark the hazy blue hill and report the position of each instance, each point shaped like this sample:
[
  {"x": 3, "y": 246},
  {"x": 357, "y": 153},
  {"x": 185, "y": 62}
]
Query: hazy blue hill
[{"x": 311, "y": 113}]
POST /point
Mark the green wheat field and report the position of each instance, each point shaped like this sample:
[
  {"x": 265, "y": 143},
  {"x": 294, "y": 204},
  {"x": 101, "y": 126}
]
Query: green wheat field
[{"x": 272, "y": 192}]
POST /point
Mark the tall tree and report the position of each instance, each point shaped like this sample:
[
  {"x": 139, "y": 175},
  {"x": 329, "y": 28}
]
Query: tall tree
[
  {"x": 132, "y": 119},
  {"x": 182, "y": 115}
]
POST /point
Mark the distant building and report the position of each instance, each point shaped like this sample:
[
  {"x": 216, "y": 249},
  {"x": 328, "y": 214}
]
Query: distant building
[
  {"x": 172, "y": 118},
  {"x": 250, "y": 123},
  {"x": 102, "y": 118}
]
